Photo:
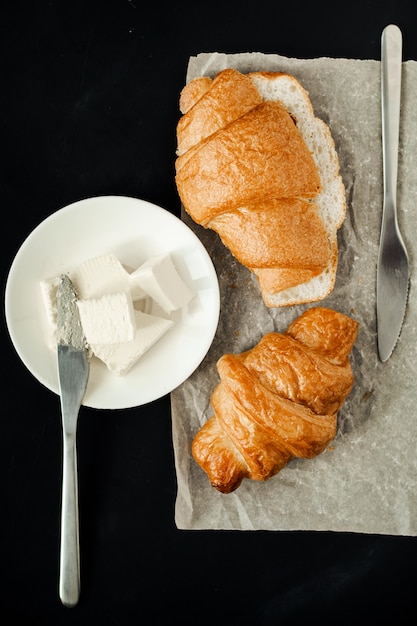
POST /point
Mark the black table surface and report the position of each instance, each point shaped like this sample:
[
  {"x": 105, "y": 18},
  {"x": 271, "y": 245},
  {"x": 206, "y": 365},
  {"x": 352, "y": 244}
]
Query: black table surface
[{"x": 89, "y": 106}]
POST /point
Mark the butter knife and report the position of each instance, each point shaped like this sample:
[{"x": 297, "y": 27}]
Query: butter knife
[
  {"x": 73, "y": 372},
  {"x": 392, "y": 271}
]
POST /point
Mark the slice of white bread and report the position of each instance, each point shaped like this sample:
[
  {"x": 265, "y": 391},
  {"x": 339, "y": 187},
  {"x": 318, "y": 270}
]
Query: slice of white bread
[
  {"x": 221, "y": 125},
  {"x": 331, "y": 202}
]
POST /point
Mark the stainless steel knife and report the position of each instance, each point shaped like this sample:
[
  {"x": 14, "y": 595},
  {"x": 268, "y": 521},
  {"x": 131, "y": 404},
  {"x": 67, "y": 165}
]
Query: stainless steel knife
[
  {"x": 392, "y": 271},
  {"x": 73, "y": 372}
]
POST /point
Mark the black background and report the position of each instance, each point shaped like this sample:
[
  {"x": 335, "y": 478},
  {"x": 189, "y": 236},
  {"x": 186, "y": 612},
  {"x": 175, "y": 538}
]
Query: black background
[{"x": 89, "y": 104}]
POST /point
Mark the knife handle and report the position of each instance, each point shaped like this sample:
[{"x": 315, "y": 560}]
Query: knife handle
[
  {"x": 69, "y": 579},
  {"x": 391, "y": 58}
]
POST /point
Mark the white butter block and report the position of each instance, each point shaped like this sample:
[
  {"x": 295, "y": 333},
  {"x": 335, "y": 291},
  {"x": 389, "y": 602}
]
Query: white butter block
[
  {"x": 49, "y": 288},
  {"x": 159, "y": 278},
  {"x": 109, "y": 319},
  {"x": 100, "y": 275},
  {"x": 121, "y": 357}
]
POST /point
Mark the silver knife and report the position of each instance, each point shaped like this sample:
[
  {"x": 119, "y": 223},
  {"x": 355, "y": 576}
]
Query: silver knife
[
  {"x": 392, "y": 271},
  {"x": 73, "y": 372}
]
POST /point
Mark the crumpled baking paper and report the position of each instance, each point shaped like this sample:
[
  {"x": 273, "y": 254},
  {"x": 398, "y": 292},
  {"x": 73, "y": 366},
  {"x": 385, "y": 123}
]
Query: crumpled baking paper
[{"x": 366, "y": 481}]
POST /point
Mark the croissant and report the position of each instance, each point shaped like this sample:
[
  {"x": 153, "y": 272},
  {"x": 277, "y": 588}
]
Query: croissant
[
  {"x": 256, "y": 166},
  {"x": 278, "y": 400}
]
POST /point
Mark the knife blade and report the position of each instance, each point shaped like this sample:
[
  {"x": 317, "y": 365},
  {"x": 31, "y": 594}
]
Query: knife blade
[
  {"x": 392, "y": 269},
  {"x": 73, "y": 372}
]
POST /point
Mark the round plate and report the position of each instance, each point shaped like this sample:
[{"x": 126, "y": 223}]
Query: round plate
[{"x": 133, "y": 230}]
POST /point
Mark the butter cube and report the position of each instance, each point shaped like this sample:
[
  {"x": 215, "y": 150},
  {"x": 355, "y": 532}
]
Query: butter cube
[
  {"x": 109, "y": 319},
  {"x": 159, "y": 278},
  {"x": 98, "y": 276},
  {"x": 121, "y": 357}
]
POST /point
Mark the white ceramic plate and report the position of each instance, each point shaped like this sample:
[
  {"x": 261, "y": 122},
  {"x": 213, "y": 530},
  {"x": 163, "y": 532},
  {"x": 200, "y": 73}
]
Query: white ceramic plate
[{"x": 133, "y": 230}]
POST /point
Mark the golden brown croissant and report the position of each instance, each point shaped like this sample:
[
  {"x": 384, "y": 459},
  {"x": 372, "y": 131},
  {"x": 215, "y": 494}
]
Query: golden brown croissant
[
  {"x": 278, "y": 400},
  {"x": 257, "y": 167}
]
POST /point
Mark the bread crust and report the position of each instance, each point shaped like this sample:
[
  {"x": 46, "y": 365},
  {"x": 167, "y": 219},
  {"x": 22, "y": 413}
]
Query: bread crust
[
  {"x": 278, "y": 400},
  {"x": 206, "y": 112},
  {"x": 261, "y": 152},
  {"x": 246, "y": 156},
  {"x": 303, "y": 233}
]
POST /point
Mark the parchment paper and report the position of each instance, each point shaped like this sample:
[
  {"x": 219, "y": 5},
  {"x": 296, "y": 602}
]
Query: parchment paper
[{"x": 366, "y": 482}]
